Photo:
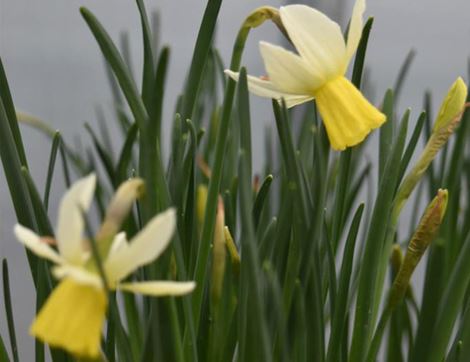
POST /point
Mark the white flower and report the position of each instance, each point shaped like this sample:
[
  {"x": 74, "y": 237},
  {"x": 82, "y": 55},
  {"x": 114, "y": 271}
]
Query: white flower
[
  {"x": 317, "y": 72},
  {"x": 73, "y": 257},
  {"x": 74, "y": 313}
]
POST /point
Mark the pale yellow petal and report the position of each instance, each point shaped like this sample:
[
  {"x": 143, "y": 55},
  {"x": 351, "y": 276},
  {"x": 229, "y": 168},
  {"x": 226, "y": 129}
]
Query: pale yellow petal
[
  {"x": 355, "y": 28},
  {"x": 33, "y": 242},
  {"x": 119, "y": 207},
  {"x": 158, "y": 288},
  {"x": 72, "y": 318},
  {"x": 317, "y": 38},
  {"x": 70, "y": 219},
  {"x": 347, "y": 115},
  {"x": 265, "y": 88},
  {"x": 145, "y": 247},
  {"x": 119, "y": 243},
  {"x": 78, "y": 274},
  {"x": 288, "y": 71},
  {"x": 258, "y": 86}
]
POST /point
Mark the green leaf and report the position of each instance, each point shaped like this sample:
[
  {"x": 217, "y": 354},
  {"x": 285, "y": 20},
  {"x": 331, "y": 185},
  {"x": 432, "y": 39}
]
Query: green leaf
[
  {"x": 461, "y": 346},
  {"x": 134, "y": 325},
  {"x": 125, "y": 156},
  {"x": 65, "y": 164},
  {"x": 266, "y": 244},
  {"x": 18, "y": 189},
  {"x": 361, "y": 54},
  {"x": 10, "y": 111},
  {"x": 44, "y": 225},
  {"x": 342, "y": 184},
  {"x": 451, "y": 304},
  {"x": 9, "y": 311},
  {"x": 199, "y": 59},
  {"x": 366, "y": 299},
  {"x": 340, "y": 315},
  {"x": 118, "y": 66},
  {"x": 410, "y": 148},
  {"x": 50, "y": 169},
  {"x": 214, "y": 184},
  {"x": 148, "y": 72},
  {"x": 260, "y": 199},
  {"x": 3, "y": 351},
  {"x": 403, "y": 72},
  {"x": 103, "y": 155},
  {"x": 386, "y": 133},
  {"x": 252, "y": 306},
  {"x": 432, "y": 294},
  {"x": 244, "y": 121},
  {"x": 330, "y": 261},
  {"x": 156, "y": 105}
]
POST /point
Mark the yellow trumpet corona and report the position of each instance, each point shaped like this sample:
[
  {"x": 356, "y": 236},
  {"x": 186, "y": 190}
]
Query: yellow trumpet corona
[{"x": 72, "y": 318}]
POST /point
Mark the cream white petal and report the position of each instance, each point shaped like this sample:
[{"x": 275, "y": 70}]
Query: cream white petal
[
  {"x": 258, "y": 86},
  {"x": 355, "y": 28},
  {"x": 288, "y": 71},
  {"x": 317, "y": 38},
  {"x": 158, "y": 288},
  {"x": 265, "y": 88},
  {"x": 33, "y": 242},
  {"x": 119, "y": 243},
  {"x": 292, "y": 101},
  {"x": 145, "y": 247},
  {"x": 78, "y": 274},
  {"x": 70, "y": 219}
]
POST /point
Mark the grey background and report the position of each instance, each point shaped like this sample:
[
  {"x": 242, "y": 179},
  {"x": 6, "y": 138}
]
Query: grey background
[{"x": 56, "y": 72}]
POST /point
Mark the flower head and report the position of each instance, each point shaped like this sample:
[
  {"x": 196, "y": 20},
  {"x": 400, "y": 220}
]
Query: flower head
[
  {"x": 453, "y": 105},
  {"x": 73, "y": 315},
  {"x": 317, "y": 72}
]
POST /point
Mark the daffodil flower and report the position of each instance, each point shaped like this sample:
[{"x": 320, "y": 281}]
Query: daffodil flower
[
  {"x": 317, "y": 72},
  {"x": 72, "y": 317}
]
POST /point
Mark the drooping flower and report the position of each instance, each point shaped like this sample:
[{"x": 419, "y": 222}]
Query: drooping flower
[
  {"x": 72, "y": 317},
  {"x": 317, "y": 72}
]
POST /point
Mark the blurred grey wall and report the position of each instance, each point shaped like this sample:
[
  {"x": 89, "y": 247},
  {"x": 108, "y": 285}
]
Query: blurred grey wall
[{"x": 56, "y": 72}]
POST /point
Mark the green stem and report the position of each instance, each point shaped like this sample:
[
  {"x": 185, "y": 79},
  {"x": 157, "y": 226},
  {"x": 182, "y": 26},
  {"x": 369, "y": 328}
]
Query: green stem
[{"x": 214, "y": 183}]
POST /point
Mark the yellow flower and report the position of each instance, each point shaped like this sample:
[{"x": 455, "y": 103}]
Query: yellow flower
[
  {"x": 317, "y": 72},
  {"x": 73, "y": 315}
]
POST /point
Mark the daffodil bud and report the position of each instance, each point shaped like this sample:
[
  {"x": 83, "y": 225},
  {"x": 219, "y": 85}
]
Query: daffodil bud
[
  {"x": 201, "y": 199},
  {"x": 447, "y": 121},
  {"x": 453, "y": 104},
  {"x": 396, "y": 259},
  {"x": 232, "y": 249},
  {"x": 219, "y": 254},
  {"x": 119, "y": 208},
  {"x": 425, "y": 233}
]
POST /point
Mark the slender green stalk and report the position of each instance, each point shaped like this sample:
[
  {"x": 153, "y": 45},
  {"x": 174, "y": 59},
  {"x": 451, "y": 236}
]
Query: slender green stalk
[
  {"x": 340, "y": 315},
  {"x": 201, "y": 51},
  {"x": 366, "y": 303},
  {"x": 216, "y": 176},
  {"x": 9, "y": 311},
  {"x": 450, "y": 305}
]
